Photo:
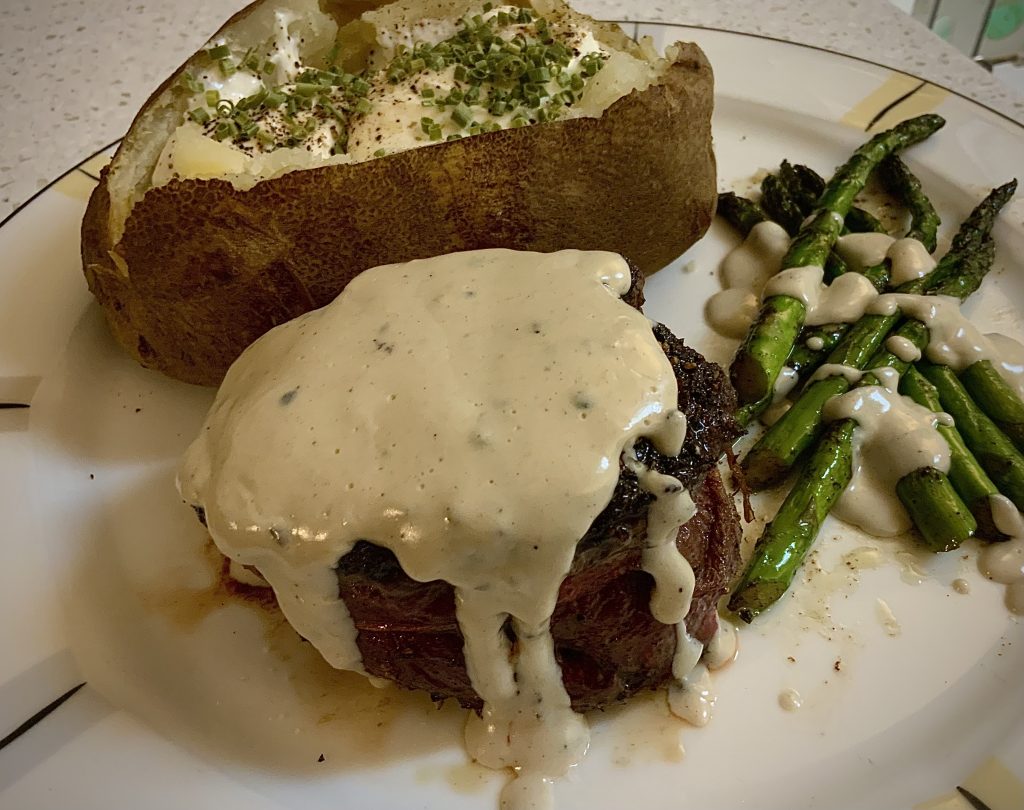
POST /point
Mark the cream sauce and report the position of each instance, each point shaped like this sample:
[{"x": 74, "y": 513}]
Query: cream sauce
[
  {"x": 730, "y": 312},
  {"x": 908, "y": 258},
  {"x": 895, "y": 437},
  {"x": 1004, "y": 562},
  {"x": 887, "y": 618},
  {"x": 693, "y": 698},
  {"x": 953, "y": 340},
  {"x": 757, "y": 258},
  {"x": 673, "y": 576},
  {"x": 784, "y": 383},
  {"x": 864, "y": 250},
  {"x": 528, "y": 379},
  {"x": 904, "y": 349},
  {"x": 745, "y": 271},
  {"x": 790, "y": 700},
  {"x": 887, "y": 376},
  {"x": 842, "y": 301},
  {"x": 723, "y": 647},
  {"x": 1008, "y": 360}
]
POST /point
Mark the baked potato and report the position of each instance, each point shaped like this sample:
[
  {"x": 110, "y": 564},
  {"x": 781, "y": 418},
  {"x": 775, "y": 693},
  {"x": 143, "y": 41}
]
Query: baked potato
[{"x": 212, "y": 224}]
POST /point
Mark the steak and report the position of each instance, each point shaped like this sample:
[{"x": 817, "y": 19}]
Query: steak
[{"x": 606, "y": 641}]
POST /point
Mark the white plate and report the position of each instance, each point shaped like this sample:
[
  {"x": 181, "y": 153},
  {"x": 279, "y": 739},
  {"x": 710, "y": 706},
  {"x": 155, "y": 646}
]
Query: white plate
[{"x": 195, "y": 698}]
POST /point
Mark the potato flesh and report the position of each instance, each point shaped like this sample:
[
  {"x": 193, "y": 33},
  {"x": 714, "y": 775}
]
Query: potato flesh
[{"x": 393, "y": 124}]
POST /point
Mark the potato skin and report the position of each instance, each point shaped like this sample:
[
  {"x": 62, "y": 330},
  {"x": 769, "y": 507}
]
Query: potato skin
[{"x": 210, "y": 268}]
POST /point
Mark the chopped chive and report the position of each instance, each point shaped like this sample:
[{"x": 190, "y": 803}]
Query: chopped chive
[
  {"x": 190, "y": 83},
  {"x": 462, "y": 115},
  {"x": 219, "y": 52},
  {"x": 199, "y": 115},
  {"x": 363, "y": 106},
  {"x": 380, "y": 153},
  {"x": 539, "y": 74},
  {"x": 212, "y": 97},
  {"x": 227, "y": 68}
]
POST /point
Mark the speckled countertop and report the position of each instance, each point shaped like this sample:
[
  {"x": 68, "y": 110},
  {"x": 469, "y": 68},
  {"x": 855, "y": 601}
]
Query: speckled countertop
[{"x": 73, "y": 72}]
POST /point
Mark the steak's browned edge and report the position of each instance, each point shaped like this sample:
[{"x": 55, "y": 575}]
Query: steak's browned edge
[{"x": 606, "y": 641}]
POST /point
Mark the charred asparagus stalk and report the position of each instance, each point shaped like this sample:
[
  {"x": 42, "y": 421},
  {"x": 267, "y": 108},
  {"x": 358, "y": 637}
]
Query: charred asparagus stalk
[
  {"x": 805, "y": 187},
  {"x": 968, "y": 477},
  {"x": 996, "y": 398},
  {"x": 741, "y": 213},
  {"x": 771, "y": 338},
  {"x": 993, "y": 450},
  {"x": 941, "y": 517},
  {"x": 805, "y": 357},
  {"x": 780, "y": 205},
  {"x": 787, "y": 539},
  {"x": 900, "y": 181}
]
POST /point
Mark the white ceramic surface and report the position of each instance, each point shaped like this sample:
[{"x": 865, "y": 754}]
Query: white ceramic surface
[{"x": 198, "y": 699}]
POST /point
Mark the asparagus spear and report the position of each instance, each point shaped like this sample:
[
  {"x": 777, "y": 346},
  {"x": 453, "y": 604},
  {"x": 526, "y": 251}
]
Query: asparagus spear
[
  {"x": 900, "y": 181},
  {"x": 804, "y": 359},
  {"x": 741, "y": 213},
  {"x": 965, "y": 473},
  {"x": 805, "y": 186},
  {"x": 780, "y": 205},
  {"x": 996, "y": 453},
  {"x": 976, "y": 228},
  {"x": 788, "y": 538},
  {"x": 941, "y": 517},
  {"x": 770, "y": 339},
  {"x": 860, "y": 221},
  {"x": 996, "y": 398}
]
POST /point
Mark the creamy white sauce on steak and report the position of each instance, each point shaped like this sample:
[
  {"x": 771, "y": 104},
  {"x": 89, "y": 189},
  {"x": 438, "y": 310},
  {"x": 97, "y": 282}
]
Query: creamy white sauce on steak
[{"x": 469, "y": 413}]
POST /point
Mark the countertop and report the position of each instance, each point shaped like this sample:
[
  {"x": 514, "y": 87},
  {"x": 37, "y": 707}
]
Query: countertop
[{"x": 74, "y": 72}]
